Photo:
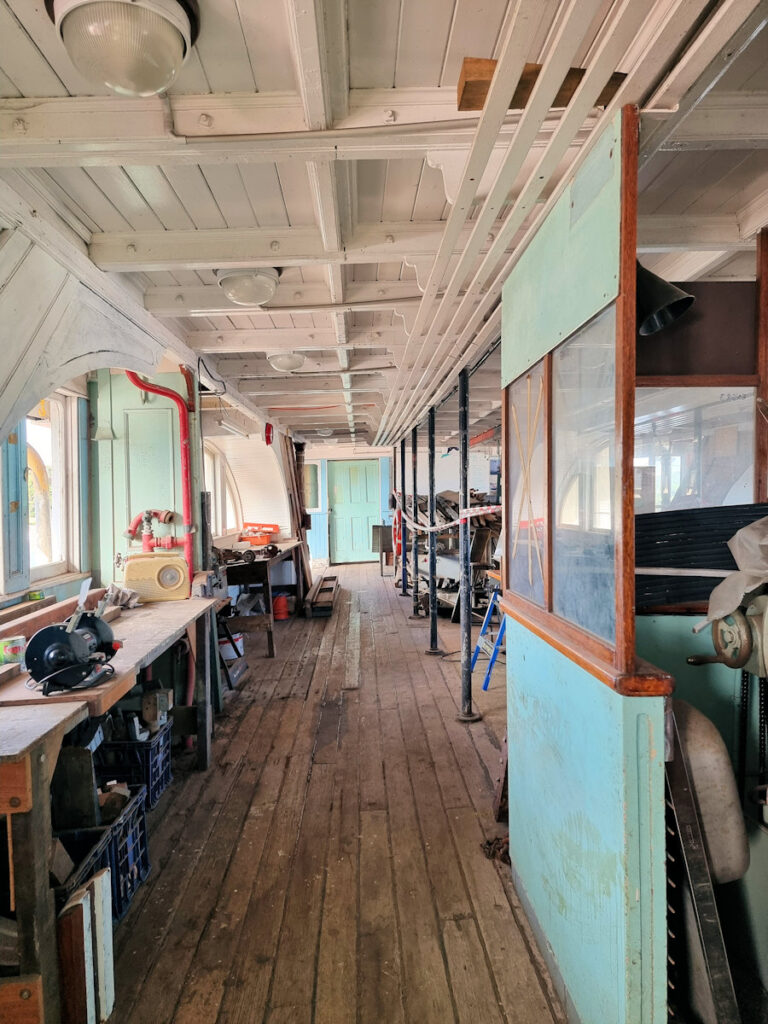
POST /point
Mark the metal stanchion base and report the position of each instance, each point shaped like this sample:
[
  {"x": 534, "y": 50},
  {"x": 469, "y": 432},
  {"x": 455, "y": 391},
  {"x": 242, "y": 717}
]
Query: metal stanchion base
[
  {"x": 472, "y": 716},
  {"x": 404, "y": 593},
  {"x": 437, "y": 650}
]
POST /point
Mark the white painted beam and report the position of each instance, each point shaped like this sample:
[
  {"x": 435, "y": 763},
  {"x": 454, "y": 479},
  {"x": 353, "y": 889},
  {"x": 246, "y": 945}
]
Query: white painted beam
[
  {"x": 725, "y": 120},
  {"x": 297, "y": 339},
  {"x": 83, "y": 131},
  {"x": 662, "y": 233},
  {"x": 388, "y": 242},
  {"x": 254, "y": 367},
  {"x": 689, "y": 266},
  {"x": 207, "y": 300}
]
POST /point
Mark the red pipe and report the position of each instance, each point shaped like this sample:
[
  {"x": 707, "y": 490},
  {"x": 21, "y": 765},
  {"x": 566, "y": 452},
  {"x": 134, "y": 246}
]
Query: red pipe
[{"x": 186, "y": 468}]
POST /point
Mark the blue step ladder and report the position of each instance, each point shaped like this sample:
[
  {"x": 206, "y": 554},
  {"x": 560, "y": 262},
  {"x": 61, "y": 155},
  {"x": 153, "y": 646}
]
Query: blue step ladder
[{"x": 487, "y": 642}]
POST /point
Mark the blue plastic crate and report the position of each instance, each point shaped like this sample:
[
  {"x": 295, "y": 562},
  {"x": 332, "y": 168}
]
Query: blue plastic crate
[
  {"x": 89, "y": 849},
  {"x": 128, "y": 852},
  {"x": 138, "y": 762}
]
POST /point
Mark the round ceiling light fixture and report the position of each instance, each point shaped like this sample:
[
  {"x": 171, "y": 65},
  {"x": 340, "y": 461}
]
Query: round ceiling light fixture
[
  {"x": 286, "y": 362},
  {"x": 324, "y": 431},
  {"x": 248, "y": 287},
  {"x": 134, "y": 47}
]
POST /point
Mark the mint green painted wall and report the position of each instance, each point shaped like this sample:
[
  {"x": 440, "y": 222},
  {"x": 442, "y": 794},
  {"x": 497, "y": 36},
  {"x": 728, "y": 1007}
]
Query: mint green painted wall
[
  {"x": 570, "y": 270},
  {"x": 666, "y": 641},
  {"x": 135, "y": 463},
  {"x": 586, "y": 836}
]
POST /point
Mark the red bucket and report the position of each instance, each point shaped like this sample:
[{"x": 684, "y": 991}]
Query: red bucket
[{"x": 280, "y": 608}]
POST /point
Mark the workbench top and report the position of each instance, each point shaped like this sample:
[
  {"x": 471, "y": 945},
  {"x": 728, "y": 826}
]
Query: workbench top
[
  {"x": 23, "y": 727},
  {"x": 145, "y": 633}
]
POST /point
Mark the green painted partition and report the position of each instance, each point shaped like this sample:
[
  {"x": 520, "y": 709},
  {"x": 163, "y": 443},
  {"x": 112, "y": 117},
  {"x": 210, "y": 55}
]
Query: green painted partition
[
  {"x": 586, "y": 768},
  {"x": 586, "y": 836},
  {"x": 570, "y": 270}
]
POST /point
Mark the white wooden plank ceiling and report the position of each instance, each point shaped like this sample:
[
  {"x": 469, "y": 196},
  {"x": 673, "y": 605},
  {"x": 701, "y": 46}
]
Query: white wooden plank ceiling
[{"x": 323, "y": 139}]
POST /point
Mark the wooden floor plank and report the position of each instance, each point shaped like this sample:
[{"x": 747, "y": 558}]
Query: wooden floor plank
[
  {"x": 294, "y": 976},
  {"x": 427, "y": 995},
  {"x": 471, "y": 982},
  {"x": 327, "y": 869},
  {"x": 380, "y": 991}
]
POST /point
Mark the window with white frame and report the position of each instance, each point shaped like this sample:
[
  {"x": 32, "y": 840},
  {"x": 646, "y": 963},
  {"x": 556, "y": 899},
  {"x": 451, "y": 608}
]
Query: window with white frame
[
  {"x": 52, "y": 477},
  {"x": 226, "y": 514}
]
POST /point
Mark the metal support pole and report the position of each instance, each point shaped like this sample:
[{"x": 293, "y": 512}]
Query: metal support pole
[
  {"x": 433, "y": 642},
  {"x": 467, "y": 714},
  {"x": 403, "y": 527},
  {"x": 415, "y": 542}
]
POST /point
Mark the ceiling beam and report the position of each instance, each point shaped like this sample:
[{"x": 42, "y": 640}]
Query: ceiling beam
[
  {"x": 207, "y": 300},
  {"x": 296, "y": 338},
  {"x": 260, "y": 367},
  {"x": 388, "y": 242},
  {"x": 81, "y": 131},
  {"x": 689, "y": 266},
  {"x": 725, "y": 120},
  {"x": 731, "y": 28},
  {"x": 663, "y": 233}
]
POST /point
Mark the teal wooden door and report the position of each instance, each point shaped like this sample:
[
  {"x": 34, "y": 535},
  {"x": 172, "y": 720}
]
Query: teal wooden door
[{"x": 354, "y": 505}]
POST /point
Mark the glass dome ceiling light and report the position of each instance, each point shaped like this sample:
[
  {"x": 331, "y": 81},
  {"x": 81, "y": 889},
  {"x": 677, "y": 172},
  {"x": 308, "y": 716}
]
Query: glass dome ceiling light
[
  {"x": 134, "y": 47},
  {"x": 248, "y": 287},
  {"x": 286, "y": 362}
]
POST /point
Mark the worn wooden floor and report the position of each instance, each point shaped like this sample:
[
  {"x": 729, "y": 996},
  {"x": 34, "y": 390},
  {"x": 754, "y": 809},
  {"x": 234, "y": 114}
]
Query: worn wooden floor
[{"x": 328, "y": 867}]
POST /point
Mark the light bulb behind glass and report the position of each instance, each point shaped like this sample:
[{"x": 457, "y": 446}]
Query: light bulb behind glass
[{"x": 131, "y": 49}]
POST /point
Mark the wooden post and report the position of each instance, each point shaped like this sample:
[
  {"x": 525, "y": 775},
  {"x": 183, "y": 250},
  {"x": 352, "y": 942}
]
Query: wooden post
[{"x": 35, "y": 911}]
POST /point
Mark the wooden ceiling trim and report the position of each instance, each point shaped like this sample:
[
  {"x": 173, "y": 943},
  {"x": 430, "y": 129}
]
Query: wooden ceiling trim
[{"x": 477, "y": 74}]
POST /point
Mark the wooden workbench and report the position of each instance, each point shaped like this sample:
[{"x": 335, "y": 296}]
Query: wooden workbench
[
  {"x": 30, "y": 738},
  {"x": 260, "y": 572},
  {"x": 145, "y": 633},
  {"x": 31, "y": 730}
]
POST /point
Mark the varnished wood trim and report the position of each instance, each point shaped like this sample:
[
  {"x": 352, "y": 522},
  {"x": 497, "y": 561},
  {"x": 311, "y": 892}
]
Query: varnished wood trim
[
  {"x": 761, "y": 426},
  {"x": 550, "y": 490},
  {"x": 477, "y": 73},
  {"x": 701, "y": 380},
  {"x": 586, "y": 651},
  {"x": 626, "y": 334}
]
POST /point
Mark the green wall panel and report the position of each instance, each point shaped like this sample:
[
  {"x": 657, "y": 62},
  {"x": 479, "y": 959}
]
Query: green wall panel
[
  {"x": 586, "y": 837},
  {"x": 570, "y": 271}
]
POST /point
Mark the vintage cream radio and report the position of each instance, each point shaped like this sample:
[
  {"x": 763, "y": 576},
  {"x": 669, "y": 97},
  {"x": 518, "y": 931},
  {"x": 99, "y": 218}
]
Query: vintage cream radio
[{"x": 157, "y": 576}]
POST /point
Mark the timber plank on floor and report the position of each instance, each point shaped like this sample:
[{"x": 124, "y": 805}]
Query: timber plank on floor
[{"x": 327, "y": 868}]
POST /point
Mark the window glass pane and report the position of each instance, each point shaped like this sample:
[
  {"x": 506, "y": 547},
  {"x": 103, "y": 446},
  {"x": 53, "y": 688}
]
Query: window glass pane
[
  {"x": 311, "y": 486},
  {"x": 694, "y": 447},
  {"x": 230, "y": 511},
  {"x": 527, "y": 481},
  {"x": 209, "y": 470},
  {"x": 46, "y": 480},
  {"x": 583, "y": 427}
]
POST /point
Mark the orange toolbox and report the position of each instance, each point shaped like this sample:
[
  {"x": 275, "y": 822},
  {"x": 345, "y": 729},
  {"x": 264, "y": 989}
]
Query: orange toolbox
[{"x": 259, "y": 534}]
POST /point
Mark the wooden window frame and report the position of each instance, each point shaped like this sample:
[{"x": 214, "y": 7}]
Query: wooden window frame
[{"x": 617, "y": 664}]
